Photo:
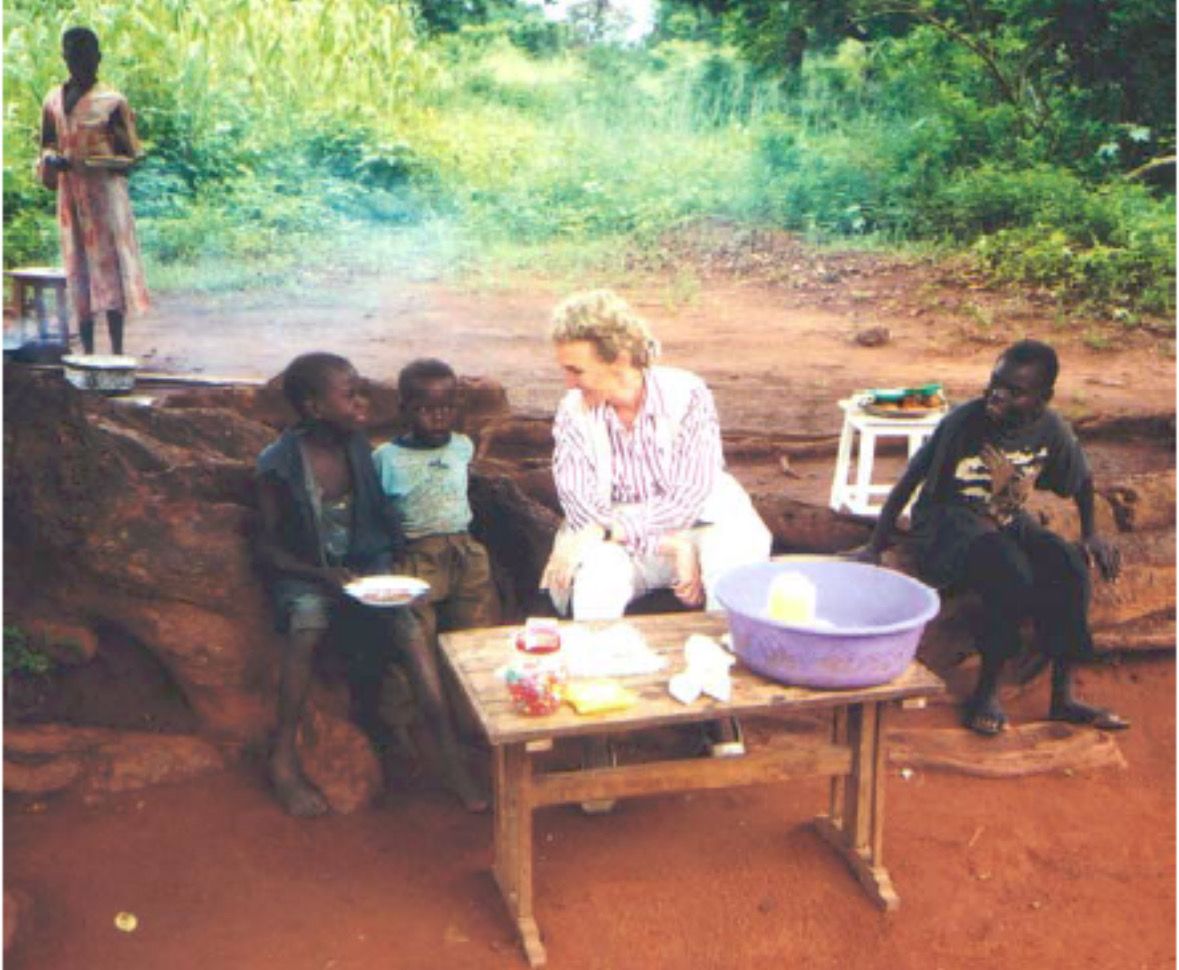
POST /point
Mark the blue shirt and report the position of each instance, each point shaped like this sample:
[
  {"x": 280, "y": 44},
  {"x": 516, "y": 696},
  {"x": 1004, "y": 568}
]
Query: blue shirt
[{"x": 428, "y": 485}]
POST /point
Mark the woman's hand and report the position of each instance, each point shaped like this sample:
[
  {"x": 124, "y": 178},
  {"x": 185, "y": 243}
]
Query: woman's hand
[
  {"x": 568, "y": 551},
  {"x": 689, "y": 584}
]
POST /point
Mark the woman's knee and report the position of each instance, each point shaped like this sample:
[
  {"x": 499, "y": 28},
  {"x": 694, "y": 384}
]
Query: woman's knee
[
  {"x": 721, "y": 547},
  {"x": 605, "y": 563},
  {"x": 604, "y": 583}
]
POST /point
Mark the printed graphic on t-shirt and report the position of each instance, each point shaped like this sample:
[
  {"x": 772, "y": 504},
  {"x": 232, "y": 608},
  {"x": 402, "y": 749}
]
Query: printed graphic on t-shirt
[{"x": 998, "y": 481}]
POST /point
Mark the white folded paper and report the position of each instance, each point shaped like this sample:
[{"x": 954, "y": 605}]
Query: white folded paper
[
  {"x": 707, "y": 671},
  {"x": 616, "y": 651}
]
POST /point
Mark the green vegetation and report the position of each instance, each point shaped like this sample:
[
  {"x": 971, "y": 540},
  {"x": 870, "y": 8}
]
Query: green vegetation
[
  {"x": 275, "y": 131},
  {"x": 21, "y": 657}
]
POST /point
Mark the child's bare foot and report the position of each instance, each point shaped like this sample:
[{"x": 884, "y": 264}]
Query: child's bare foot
[
  {"x": 984, "y": 716},
  {"x": 1075, "y": 712},
  {"x": 469, "y": 791},
  {"x": 298, "y": 796}
]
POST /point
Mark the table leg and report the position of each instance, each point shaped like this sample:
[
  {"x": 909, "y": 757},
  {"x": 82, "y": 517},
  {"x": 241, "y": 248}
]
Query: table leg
[
  {"x": 838, "y": 782},
  {"x": 855, "y": 827},
  {"x": 513, "y": 843}
]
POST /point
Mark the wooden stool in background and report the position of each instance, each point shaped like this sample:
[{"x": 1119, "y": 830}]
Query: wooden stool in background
[{"x": 28, "y": 289}]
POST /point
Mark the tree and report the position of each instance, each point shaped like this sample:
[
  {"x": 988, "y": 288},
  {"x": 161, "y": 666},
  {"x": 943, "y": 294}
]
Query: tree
[{"x": 1110, "y": 62}]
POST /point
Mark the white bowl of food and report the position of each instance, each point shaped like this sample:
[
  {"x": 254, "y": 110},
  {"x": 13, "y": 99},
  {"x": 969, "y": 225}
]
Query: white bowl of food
[{"x": 387, "y": 590}]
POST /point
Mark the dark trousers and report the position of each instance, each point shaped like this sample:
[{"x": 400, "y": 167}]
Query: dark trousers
[
  {"x": 369, "y": 639},
  {"x": 1029, "y": 572}
]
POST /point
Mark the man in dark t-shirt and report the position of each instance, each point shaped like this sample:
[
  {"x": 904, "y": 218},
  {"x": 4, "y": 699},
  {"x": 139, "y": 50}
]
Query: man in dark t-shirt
[{"x": 973, "y": 531}]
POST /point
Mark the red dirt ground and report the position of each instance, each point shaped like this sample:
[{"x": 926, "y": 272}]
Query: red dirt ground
[{"x": 1048, "y": 871}]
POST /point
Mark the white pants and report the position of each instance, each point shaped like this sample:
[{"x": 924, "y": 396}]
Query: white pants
[{"x": 609, "y": 577}]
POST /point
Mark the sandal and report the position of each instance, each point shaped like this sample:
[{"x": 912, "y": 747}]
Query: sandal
[{"x": 1074, "y": 712}]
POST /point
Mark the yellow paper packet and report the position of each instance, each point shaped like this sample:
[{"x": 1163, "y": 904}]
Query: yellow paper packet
[{"x": 599, "y": 696}]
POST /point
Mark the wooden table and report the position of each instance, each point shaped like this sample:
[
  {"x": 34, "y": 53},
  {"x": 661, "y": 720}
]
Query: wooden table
[{"x": 853, "y": 758}]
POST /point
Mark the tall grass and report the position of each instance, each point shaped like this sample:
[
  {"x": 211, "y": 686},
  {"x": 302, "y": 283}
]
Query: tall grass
[
  {"x": 591, "y": 146},
  {"x": 233, "y": 99}
]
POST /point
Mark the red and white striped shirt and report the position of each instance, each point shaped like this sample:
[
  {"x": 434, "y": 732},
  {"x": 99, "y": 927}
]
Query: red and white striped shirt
[{"x": 661, "y": 470}]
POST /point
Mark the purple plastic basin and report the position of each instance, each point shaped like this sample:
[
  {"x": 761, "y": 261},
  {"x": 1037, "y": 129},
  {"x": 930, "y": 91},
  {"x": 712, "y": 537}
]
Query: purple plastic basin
[{"x": 877, "y": 616}]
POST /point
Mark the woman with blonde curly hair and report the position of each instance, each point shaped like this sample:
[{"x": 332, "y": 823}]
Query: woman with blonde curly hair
[{"x": 639, "y": 471}]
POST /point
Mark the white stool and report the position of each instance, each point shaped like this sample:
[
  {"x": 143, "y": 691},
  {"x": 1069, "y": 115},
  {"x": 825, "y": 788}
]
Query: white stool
[{"x": 856, "y": 495}]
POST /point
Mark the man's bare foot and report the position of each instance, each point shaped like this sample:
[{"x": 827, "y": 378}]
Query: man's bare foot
[
  {"x": 1075, "y": 712},
  {"x": 984, "y": 716},
  {"x": 298, "y": 796}
]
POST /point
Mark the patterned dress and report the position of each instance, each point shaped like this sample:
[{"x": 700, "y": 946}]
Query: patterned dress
[{"x": 98, "y": 244}]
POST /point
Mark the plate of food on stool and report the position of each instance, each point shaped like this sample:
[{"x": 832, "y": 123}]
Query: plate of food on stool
[
  {"x": 387, "y": 590},
  {"x": 905, "y": 402}
]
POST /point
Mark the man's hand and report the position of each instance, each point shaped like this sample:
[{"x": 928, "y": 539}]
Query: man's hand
[
  {"x": 689, "y": 584},
  {"x": 1105, "y": 554},
  {"x": 1000, "y": 466},
  {"x": 568, "y": 551}
]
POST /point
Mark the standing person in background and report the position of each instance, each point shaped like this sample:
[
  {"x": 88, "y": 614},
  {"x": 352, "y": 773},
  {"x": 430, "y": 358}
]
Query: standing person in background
[{"x": 88, "y": 143}]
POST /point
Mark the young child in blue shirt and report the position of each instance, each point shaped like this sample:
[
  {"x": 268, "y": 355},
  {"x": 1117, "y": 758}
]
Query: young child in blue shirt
[
  {"x": 425, "y": 473},
  {"x": 324, "y": 521}
]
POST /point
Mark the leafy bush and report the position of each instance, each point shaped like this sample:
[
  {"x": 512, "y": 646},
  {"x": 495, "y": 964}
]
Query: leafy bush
[{"x": 1139, "y": 274}]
